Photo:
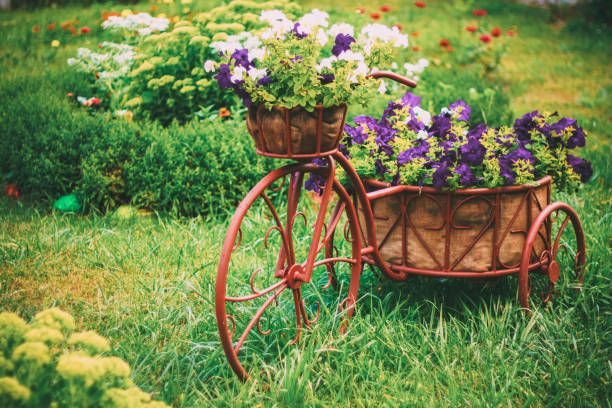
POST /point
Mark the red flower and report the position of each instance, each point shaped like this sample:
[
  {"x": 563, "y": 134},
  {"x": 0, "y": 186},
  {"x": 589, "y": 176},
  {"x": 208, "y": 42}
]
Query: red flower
[
  {"x": 69, "y": 95},
  {"x": 100, "y": 45},
  {"x": 96, "y": 75},
  {"x": 496, "y": 32},
  {"x": 385, "y": 8},
  {"x": 36, "y": 29},
  {"x": 85, "y": 30},
  {"x": 444, "y": 42},
  {"x": 398, "y": 26},
  {"x": 95, "y": 101},
  {"x": 375, "y": 16},
  {"x": 11, "y": 190},
  {"x": 223, "y": 112},
  {"x": 416, "y": 48},
  {"x": 480, "y": 13},
  {"x": 449, "y": 48},
  {"x": 360, "y": 10},
  {"x": 471, "y": 28},
  {"x": 50, "y": 26},
  {"x": 510, "y": 33},
  {"x": 485, "y": 38},
  {"x": 420, "y": 4}
]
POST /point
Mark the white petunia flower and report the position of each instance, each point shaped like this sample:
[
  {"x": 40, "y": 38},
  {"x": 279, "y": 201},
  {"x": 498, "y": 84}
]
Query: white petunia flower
[
  {"x": 257, "y": 53},
  {"x": 341, "y": 28},
  {"x": 350, "y": 55},
  {"x": 272, "y": 15},
  {"x": 256, "y": 73},
  {"x": 210, "y": 66},
  {"x": 322, "y": 37},
  {"x": 238, "y": 74},
  {"x": 316, "y": 18},
  {"x": 422, "y": 135},
  {"x": 422, "y": 115},
  {"x": 382, "y": 89},
  {"x": 326, "y": 63}
]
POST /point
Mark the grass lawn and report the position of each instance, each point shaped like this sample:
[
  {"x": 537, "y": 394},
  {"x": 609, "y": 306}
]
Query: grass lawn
[{"x": 148, "y": 282}]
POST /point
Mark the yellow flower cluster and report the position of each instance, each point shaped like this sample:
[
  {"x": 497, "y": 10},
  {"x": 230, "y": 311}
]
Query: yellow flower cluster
[{"x": 45, "y": 364}]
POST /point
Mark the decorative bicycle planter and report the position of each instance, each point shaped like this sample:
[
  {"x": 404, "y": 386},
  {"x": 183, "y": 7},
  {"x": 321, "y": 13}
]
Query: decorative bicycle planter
[{"x": 297, "y": 246}]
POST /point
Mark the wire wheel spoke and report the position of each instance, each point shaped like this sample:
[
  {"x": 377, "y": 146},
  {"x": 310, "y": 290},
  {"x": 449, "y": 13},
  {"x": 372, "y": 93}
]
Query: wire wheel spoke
[
  {"x": 561, "y": 255},
  {"x": 274, "y": 265}
]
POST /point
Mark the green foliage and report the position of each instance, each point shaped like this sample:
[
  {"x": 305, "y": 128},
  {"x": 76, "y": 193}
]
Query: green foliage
[
  {"x": 439, "y": 86},
  {"x": 42, "y": 138},
  {"x": 168, "y": 80},
  {"x": 56, "y": 367},
  {"x": 194, "y": 169}
]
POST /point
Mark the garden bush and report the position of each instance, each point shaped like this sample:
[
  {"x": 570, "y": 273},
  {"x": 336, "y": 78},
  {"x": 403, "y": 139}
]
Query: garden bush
[
  {"x": 42, "y": 137},
  {"x": 199, "y": 168},
  {"x": 46, "y": 364}
]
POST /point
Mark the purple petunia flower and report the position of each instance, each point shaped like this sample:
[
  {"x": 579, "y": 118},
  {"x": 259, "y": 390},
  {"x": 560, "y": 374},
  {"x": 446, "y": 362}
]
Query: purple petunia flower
[
  {"x": 581, "y": 167},
  {"x": 526, "y": 124},
  {"x": 505, "y": 170},
  {"x": 465, "y": 113},
  {"x": 440, "y": 126},
  {"x": 242, "y": 58},
  {"x": 466, "y": 177},
  {"x": 472, "y": 152},
  {"x": 224, "y": 77},
  {"x": 440, "y": 175},
  {"x": 343, "y": 43},
  {"x": 389, "y": 111},
  {"x": 520, "y": 154},
  {"x": 380, "y": 168},
  {"x": 297, "y": 58},
  {"x": 477, "y": 131},
  {"x": 265, "y": 80},
  {"x": 297, "y": 32},
  {"x": 326, "y": 78},
  {"x": 415, "y": 152},
  {"x": 410, "y": 99},
  {"x": 384, "y": 146},
  {"x": 358, "y": 136}
]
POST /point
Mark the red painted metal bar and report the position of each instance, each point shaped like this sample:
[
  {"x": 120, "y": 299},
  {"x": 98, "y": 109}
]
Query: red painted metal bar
[{"x": 394, "y": 77}]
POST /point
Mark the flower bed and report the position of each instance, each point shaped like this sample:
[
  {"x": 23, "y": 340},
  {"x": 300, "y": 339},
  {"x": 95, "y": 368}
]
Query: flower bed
[{"x": 453, "y": 199}]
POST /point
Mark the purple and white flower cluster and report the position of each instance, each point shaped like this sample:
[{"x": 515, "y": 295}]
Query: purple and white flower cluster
[
  {"x": 304, "y": 62},
  {"x": 408, "y": 145}
]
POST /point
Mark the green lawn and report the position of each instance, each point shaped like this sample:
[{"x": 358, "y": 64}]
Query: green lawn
[{"x": 148, "y": 282}]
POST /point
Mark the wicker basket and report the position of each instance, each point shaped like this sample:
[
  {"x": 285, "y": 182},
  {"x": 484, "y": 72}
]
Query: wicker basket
[
  {"x": 296, "y": 133},
  {"x": 472, "y": 230}
]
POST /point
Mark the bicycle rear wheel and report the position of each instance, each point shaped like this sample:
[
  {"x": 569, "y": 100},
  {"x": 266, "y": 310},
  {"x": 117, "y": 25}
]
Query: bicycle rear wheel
[{"x": 275, "y": 270}]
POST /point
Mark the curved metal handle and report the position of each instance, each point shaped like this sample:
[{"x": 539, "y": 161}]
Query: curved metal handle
[{"x": 394, "y": 77}]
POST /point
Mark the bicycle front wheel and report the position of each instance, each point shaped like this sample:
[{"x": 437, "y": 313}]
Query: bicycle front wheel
[{"x": 279, "y": 263}]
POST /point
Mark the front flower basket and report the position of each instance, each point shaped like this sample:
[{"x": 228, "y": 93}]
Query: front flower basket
[
  {"x": 470, "y": 230},
  {"x": 296, "y": 133}
]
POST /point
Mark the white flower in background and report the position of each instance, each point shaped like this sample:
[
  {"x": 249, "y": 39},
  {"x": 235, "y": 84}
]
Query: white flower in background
[
  {"x": 341, "y": 28},
  {"x": 373, "y": 33},
  {"x": 256, "y": 73},
  {"x": 322, "y": 37},
  {"x": 413, "y": 69},
  {"x": 272, "y": 15},
  {"x": 382, "y": 89},
  {"x": 143, "y": 23},
  {"x": 445, "y": 111},
  {"x": 257, "y": 53},
  {"x": 362, "y": 69},
  {"x": 238, "y": 74},
  {"x": 210, "y": 66},
  {"x": 422, "y": 115},
  {"x": 226, "y": 47},
  {"x": 252, "y": 42},
  {"x": 316, "y": 18},
  {"x": 422, "y": 135}
]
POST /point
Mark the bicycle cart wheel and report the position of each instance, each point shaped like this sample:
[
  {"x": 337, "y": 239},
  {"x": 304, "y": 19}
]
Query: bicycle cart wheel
[
  {"x": 558, "y": 236},
  {"x": 274, "y": 270}
]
